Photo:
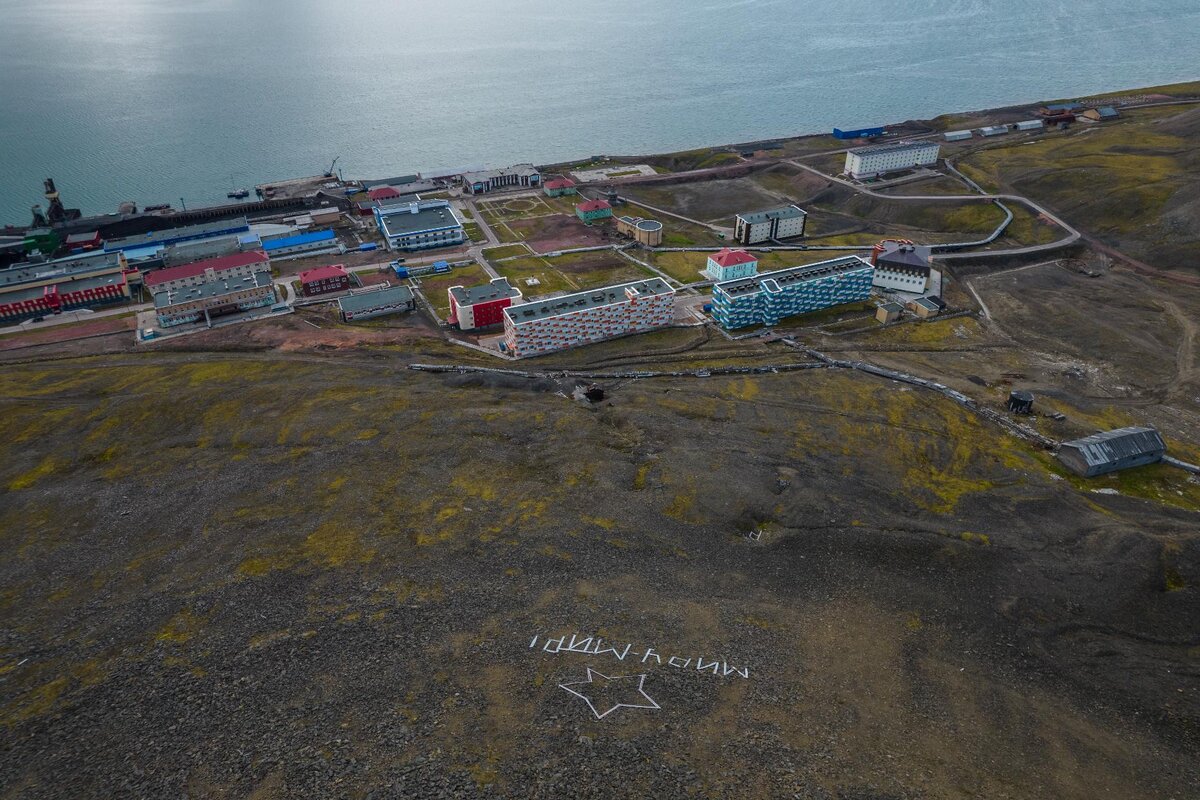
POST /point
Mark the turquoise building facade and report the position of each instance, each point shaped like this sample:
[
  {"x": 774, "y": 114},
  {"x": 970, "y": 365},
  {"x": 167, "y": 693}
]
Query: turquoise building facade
[{"x": 769, "y": 297}]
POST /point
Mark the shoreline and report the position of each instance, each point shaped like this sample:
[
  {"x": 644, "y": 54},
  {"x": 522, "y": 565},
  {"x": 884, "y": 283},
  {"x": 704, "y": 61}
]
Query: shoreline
[{"x": 1167, "y": 91}]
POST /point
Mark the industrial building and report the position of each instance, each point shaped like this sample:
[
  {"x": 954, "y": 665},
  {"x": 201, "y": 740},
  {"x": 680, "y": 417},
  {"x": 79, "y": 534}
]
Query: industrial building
[
  {"x": 763, "y": 226},
  {"x": 481, "y": 306},
  {"x": 323, "y": 280},
  {"x": 559, "y": 187},
  {"x": 857, "y": 133},
  {"x": 420, "y": 225},
  {"x": 590, "y": 316},
  {"x": 958, "y": 136},
  {"x": 213, "y": 299},
  {"x": 728, "y": 265},
  {"x": 302, "y": 244},
  {"x": 381, "y": 194},
  {"x": 186, "y": 233},
  {"x": 85, "y": 241},
  {"x": 868, "y": 162},
  {"x": 771, "y": 296},
  {"x": 239, "y": 265},
  {"x": 643, "y": 231},
  {"x": 50, "y": 287},
  {"x": 519, "y": 175},
  {"x": 594, "y": 210},
  {"x": 993, "y": 130},
  {"x": 901, "y": 266},
  {"x": 376, "y": 303},
  {"x": 1030, "y": 125},
  {"x": 1110, "y": 451}
]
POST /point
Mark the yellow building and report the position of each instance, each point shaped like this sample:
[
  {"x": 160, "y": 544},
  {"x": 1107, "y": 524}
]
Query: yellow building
[{"x": 643, "y": 231}]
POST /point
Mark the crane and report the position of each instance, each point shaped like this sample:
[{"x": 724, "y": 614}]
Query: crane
[{"x": 329, "y": 172}]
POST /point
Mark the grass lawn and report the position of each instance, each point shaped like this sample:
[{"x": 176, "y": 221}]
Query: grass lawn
[
  {"x": 549, "y": 278},
  {"x": 504, "y": 251},
  {"x": 506, "y": 234},
  {"x": 601, "y": 268},
  {"x": 473, "y": 231},
  {"x": 434, "y": 287}
]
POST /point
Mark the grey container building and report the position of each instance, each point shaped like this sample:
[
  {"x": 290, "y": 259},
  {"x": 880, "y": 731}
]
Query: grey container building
[{"x": 1110, "y": 451}]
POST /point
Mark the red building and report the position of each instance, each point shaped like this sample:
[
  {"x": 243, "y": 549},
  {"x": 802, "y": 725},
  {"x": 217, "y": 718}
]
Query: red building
[
  {"x": 324, "y": 280},
  {"x": 481, "y": 306},
  {"x": 383, "y": 193},
  {"x": 80, "y": 242}
]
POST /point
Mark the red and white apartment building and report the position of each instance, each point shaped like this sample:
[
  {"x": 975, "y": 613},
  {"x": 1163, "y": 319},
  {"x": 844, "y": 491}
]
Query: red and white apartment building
[
  {"x": 481, "y": 306},
  {"x": 558, "y": 323}
]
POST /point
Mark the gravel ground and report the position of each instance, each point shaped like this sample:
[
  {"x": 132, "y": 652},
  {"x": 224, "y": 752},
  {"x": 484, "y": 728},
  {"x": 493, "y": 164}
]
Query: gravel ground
[{"x": 249, "y": 575}]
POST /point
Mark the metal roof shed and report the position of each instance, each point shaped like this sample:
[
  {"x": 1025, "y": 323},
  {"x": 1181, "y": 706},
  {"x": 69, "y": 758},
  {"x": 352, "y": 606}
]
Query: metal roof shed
[
  {"x": 1110, "y": 451},
  {"x": 957, "y": 136}
]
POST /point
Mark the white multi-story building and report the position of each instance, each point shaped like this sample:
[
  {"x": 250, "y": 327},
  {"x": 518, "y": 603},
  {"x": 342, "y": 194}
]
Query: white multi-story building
[
  {"x": 238, "y": 265},
  {"x": 420, "y": 225},
  {"x": 544, "y": 326},
  {"x": 867, "y": 162},
  {"x": 763, "y": 226}
]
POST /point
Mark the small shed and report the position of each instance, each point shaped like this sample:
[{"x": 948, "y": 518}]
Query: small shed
[
  {"x": 888, "y": 312},
  {"x": 1110, "y": 451},
  {"x": 923, "y": 307},
  {"x": 1102, "y": 114},
  {"x": 1020, "y": 401}
]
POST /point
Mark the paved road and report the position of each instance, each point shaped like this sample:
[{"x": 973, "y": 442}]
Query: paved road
[{"x": 1071, "y": 238}]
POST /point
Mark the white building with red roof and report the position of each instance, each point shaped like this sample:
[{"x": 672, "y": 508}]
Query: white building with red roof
[
  {"x": 729, "y": 264},
  {"x": 238, "y": 265}
]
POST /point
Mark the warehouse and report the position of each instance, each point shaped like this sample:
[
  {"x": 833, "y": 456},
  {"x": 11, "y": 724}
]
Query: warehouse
[
  {"x": 857, "y": 133},
  {"x": 769, "y": 297},
  {"x": 643, "y": 231},
  {"x": 958, "y": 136},
  {"x": 728, "y": 265},
  {"x": 420, "y": 225},
  {"x": 517, "y": 176},
  {"x": 303, "y": 244},
  {"x": 238, "y": 265},
  {"x": 187, "y": 233},
  {"x": 590, "y": 316},
  {"x": 763, "y": 226},
  {"x": 81, "y": 242},
  {"x": 196, "y": 249},
  {"x": 212, "y": 299},
  {"x": 1110, "y": 451},
  {"x": 481, "y": 306},
  {"x": 867, "y": 162},
  {"x": 1030, "y": 125},
  {"x": 376, "y": 303},
  {"x": 324, "y": 280},
  {"x": 994, "y": 130},
  {"x": 901, "y": 266}
]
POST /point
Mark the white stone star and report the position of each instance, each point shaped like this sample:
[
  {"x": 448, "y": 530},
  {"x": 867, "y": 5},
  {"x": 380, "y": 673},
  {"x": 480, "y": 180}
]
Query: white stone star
[{"x": 644, "y": 700}]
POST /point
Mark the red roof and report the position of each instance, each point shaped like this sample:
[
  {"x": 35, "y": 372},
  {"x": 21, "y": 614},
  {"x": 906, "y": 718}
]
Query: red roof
[
  {"x": 323, "y": 273},
  {"x": 383, "y": 193},
  {"x": 593, "y": 205},
  {"x": 560, "y": 183},
  {"x": 728, "y": 258},
  {"x": 198, "y": 267}
]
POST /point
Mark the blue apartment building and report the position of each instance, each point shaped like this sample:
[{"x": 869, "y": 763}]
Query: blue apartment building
[{"x": 769, "y": 297}]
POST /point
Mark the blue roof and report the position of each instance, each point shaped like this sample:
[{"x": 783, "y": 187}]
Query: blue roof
[
  {"x": 1064, "y": 106},
  {"x": 298, "y": 239}
]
